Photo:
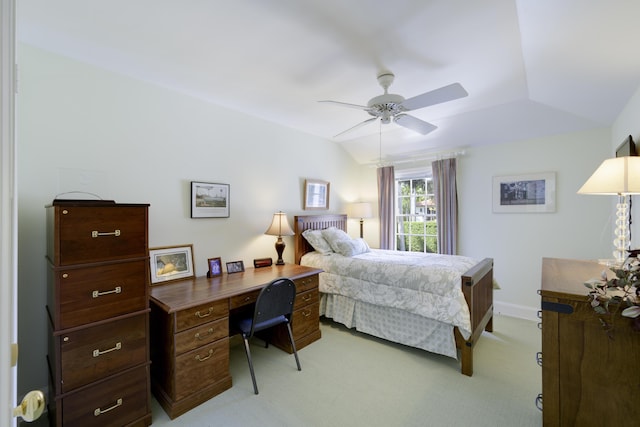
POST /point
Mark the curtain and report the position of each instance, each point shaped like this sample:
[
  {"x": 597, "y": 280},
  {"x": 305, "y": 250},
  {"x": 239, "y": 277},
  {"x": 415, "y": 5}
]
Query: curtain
[
  {"x": 446, "y": 195},
  {"x": 386, "y": 191}
]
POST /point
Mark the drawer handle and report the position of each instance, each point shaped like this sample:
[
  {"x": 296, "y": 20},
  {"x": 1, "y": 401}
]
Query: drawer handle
[
  {"x": 198, "y": 314},
  {"x": 306, "y": 298},
  {"x": 306, "y": 313},
  {"x": 97, "y": 294},
  {"x": 104, "y": 411},
  {"x": 97, "y": 352},
  {"x": 202, "y": 359},
  {"x": 247, "y": 299},
  {"x": 539, "y": 358},
  {"x": 96, "y": 233},
  {"x": 209, "y": 332}
]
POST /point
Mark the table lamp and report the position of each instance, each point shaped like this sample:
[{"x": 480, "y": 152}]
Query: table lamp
[
  {"x": 360, "y": 210},
  {"x": 279, "y": 227},
  {"x": 617, "y": 176}
]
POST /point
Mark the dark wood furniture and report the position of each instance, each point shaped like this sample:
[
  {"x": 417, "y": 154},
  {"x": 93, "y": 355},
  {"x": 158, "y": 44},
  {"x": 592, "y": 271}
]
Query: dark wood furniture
[
  {"x": 190, "y": 332},
  {"x": 477, "y": 285},
  {"x": 588, "y": 379},
  {"x": 97, "y": 302}
]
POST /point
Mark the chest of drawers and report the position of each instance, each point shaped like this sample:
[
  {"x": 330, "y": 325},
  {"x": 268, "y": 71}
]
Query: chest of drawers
[
  {"x": 97, "y": 302},
  {"x": 588, "y": 379}
]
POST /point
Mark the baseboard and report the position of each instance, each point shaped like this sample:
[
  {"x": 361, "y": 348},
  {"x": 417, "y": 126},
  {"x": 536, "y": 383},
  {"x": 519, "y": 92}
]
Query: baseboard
[{"x": 515, "y": 310}]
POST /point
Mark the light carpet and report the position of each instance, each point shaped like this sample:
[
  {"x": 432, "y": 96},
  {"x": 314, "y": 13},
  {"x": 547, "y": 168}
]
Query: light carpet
[{"x": 351, "y": 379}]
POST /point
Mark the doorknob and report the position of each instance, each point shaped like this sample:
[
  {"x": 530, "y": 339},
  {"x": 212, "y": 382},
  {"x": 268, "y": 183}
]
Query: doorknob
[{"x": 31, "y": 407}]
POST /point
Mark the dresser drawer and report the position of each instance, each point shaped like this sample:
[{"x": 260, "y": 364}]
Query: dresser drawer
[
  {"x": 84, "y": 234},
  {"x": 118, "y": 401},
  {"x": 305, "y": 320},
  {"x": 201, "y": 335},
  {"x": 92, "y": 353},
  {"x": 244, "y": 299},
  {"x": 306, "y": 283},
  {"x": 86, "y": 295},
  {"x": 200, "y": 368},
  {"x": 201, "y": 314},
  {"x": 306, "y": 298}
]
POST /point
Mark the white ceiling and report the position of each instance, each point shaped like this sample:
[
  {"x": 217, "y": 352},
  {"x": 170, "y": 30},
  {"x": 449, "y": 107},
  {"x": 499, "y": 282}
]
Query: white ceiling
[{"x": 532, "y": 67}]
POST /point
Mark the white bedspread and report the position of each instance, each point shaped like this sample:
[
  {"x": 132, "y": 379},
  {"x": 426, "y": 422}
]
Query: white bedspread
[{"x": 420, "y": 283}]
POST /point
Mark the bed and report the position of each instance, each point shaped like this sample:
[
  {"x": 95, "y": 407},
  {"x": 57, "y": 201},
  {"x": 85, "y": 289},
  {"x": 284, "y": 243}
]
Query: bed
[{"x": 405, "y": 322}]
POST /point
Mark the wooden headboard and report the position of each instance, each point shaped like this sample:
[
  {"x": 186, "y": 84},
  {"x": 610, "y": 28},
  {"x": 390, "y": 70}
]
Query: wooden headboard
[{"x": 314, "y": 222}]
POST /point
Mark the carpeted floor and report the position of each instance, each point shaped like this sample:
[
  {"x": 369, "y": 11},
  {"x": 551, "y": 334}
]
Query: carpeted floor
[{"x": 351, "y": 379}]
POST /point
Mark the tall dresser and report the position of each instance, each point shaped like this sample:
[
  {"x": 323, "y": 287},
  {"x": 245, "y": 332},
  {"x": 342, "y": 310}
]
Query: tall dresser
[
  {"x": 588, "y": 379},
  {"x": 97, "y": 304}
]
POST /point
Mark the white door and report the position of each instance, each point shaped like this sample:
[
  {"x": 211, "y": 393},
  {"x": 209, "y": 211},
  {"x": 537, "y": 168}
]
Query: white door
[
  {"x": 8, "y": 203},
  {"x": 33, "y": 404}
]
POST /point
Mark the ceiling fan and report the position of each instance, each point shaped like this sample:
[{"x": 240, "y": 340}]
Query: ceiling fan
[{"x": 388, "y": 106}]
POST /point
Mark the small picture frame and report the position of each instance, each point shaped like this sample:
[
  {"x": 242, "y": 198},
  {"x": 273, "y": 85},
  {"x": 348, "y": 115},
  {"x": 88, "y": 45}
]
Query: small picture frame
[
  {"x": 316, "y": 194},
  {"x": 170, "y": 263},
  {"x": 215, "y": 267},
  {"x": 209, "y": 200},
  {"x": 235, "y": 267}
]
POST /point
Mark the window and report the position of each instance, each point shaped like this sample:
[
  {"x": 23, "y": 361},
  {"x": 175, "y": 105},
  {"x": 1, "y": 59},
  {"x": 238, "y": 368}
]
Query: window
[{"x": 416, "y": 227}]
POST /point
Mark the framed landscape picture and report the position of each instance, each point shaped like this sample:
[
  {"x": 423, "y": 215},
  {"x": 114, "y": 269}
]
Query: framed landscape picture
[
  {"x": 171, "y": 263},
  {"x": 209, "y": 200},
  {"x": 524, "y": 193}
]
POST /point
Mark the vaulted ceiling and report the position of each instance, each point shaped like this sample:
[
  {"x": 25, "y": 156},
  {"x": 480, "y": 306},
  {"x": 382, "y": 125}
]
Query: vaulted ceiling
[{"x": 532, "y": 68}]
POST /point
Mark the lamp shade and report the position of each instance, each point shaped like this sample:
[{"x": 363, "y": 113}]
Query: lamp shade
[
  {"x": 359, "y": 210},
  {"x": 619, "y": 175},
  {"x": 279, "y": 226}
]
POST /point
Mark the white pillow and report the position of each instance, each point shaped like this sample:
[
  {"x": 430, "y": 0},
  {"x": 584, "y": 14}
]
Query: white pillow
[
  {"x": 351, "y": 247},
  {"x": 315, "y": 239},
  {"x": 333, "y": 235}
]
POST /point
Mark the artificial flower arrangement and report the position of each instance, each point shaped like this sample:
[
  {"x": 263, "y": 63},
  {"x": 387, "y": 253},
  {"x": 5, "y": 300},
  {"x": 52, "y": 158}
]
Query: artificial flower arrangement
[{"x": 622, "y": 291}]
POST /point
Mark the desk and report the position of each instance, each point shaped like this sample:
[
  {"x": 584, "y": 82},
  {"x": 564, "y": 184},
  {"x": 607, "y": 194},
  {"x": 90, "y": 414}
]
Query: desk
[{"x": 190, "y": 330}]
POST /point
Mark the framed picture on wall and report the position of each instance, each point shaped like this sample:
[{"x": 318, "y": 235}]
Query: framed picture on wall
[
  {"x": 316, "y": 194},
  {"x": 209, "y": 200},
  {"x": 524, "y": 193}
]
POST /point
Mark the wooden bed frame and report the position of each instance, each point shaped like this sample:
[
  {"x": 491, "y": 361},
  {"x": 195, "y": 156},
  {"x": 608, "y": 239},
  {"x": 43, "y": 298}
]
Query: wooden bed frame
[{"x": 477, "y": 285}]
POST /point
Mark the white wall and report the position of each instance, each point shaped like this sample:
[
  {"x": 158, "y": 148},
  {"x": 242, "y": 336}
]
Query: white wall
[
  {"x": 579, "y": 228},
  {"x": 628, "y": 123},
  {"x": 81, "y": 128}
]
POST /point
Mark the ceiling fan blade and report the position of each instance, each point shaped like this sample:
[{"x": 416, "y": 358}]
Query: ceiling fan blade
[
  {"x": 437, "y": 96},
  {"x": 356, "y": 126},
  {"x": 344, "y": 104},
  {"x": 414, "y": 123}
]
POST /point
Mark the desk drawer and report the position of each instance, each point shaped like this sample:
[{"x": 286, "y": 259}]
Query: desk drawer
[
  {"x": 118, "y": 401},
  {"x": 201, "y": 335},
  {"x": 201, "y": 314},
  {"x": 306, "y": 298},
  {"x": 86, "y": 295},
  {"x": 305, "y": 320},
  {"x": 306, "y": 283},
  {"x": 244, "y": 299},
  {"x": 201, "y": 367},
  {"x": 95, "y": 352}
]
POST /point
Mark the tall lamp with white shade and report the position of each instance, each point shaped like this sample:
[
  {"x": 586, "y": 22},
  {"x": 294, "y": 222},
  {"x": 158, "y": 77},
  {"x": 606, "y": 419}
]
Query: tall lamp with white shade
[
  {"x": 359, "y": 210},
  {"x": 617, "y": 176},
  {"x": 279, "y": 227}
]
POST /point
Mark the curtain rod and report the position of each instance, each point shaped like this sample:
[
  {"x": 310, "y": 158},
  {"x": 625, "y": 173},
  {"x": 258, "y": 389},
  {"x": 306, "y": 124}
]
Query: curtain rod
[{"x": 431, "y": 157}]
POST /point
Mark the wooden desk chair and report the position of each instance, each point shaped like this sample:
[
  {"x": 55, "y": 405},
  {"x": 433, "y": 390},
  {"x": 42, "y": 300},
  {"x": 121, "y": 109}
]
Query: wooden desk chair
[{"x": 273, "y": 307}]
